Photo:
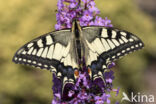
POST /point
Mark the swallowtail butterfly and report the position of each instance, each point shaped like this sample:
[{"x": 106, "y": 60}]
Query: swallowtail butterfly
[{"x": 60, "y": 51}]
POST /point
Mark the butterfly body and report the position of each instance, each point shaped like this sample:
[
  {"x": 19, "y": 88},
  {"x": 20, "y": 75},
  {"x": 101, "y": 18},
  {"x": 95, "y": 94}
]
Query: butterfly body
[{"x": 61, "y": 51}]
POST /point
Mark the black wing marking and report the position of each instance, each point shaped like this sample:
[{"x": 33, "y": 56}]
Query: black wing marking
[{"x": 105, "y": 45}]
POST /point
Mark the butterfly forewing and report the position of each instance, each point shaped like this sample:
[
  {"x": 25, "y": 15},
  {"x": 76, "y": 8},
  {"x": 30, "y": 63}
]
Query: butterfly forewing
[
  {"x": 105, "y": 45},
  {"x": 45, "y": 51}
]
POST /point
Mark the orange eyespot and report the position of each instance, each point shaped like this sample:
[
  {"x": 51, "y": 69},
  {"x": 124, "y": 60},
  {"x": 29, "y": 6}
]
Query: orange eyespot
[
  {"x": 76, "y": 73},
  {"x": 89, "y": 70}
]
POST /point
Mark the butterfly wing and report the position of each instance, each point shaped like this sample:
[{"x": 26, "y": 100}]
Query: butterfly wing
[
  {"x": 105, "y": 45},
  {"x": 50, "y": 51}
]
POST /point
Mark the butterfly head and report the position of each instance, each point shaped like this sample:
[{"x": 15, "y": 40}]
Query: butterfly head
[{"x": 76, "y": 28}]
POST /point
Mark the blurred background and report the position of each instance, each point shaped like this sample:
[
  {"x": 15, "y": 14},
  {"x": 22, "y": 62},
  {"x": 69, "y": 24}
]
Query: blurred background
[{"x": 23, "y": 20}]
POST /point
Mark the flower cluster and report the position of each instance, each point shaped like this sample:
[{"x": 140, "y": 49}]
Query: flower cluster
[
  {"x": 85, "y": 90},
  {"x": 82, "y": 10}
]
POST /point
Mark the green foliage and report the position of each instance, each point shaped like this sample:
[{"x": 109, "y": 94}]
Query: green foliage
[{"x": 23, "y": 20}]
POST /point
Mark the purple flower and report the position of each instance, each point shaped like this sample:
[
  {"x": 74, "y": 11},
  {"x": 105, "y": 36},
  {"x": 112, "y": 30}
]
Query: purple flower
[
  {"x": 57, "y": 95},
  {"x": 58, "y": 26},
  {"x": 99, "y": 100},
  {"x": 57, "y": 87},
  {"x": 82, "y": 80},
  {"x": 85, "y": 12},
  {"x": 116, "y": 90},
  {"x": 86, "y": 1},
  {"x": 87, "y": 16},
  {"x": 102, "y": 99},
  {"x": 60, "y": 4},
  {"x": 92, "y": 8},
  {"x": 71, "y": 93},
  {"x": 82, "y": 23},
  {"x": 109, "y": 76},
  {"x": 57, "y": 99},
  {"x": 107, "y": 23},
  {"x": 73, "y": 5},
  {"x": 82, "y": 95},
  {"x": 92, "y": 3},
  {"x": 111, "y": 65},
  {"x": 54, "y": 101},
  {"x": 98, "y": 21}
]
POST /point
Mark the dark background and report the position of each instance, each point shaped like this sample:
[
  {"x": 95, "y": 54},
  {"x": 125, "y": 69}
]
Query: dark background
[{"x": 23, "y": 20}]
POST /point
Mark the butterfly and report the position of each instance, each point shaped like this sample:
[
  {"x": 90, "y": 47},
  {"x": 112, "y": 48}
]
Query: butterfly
[{"x": 60, "y": 51}]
